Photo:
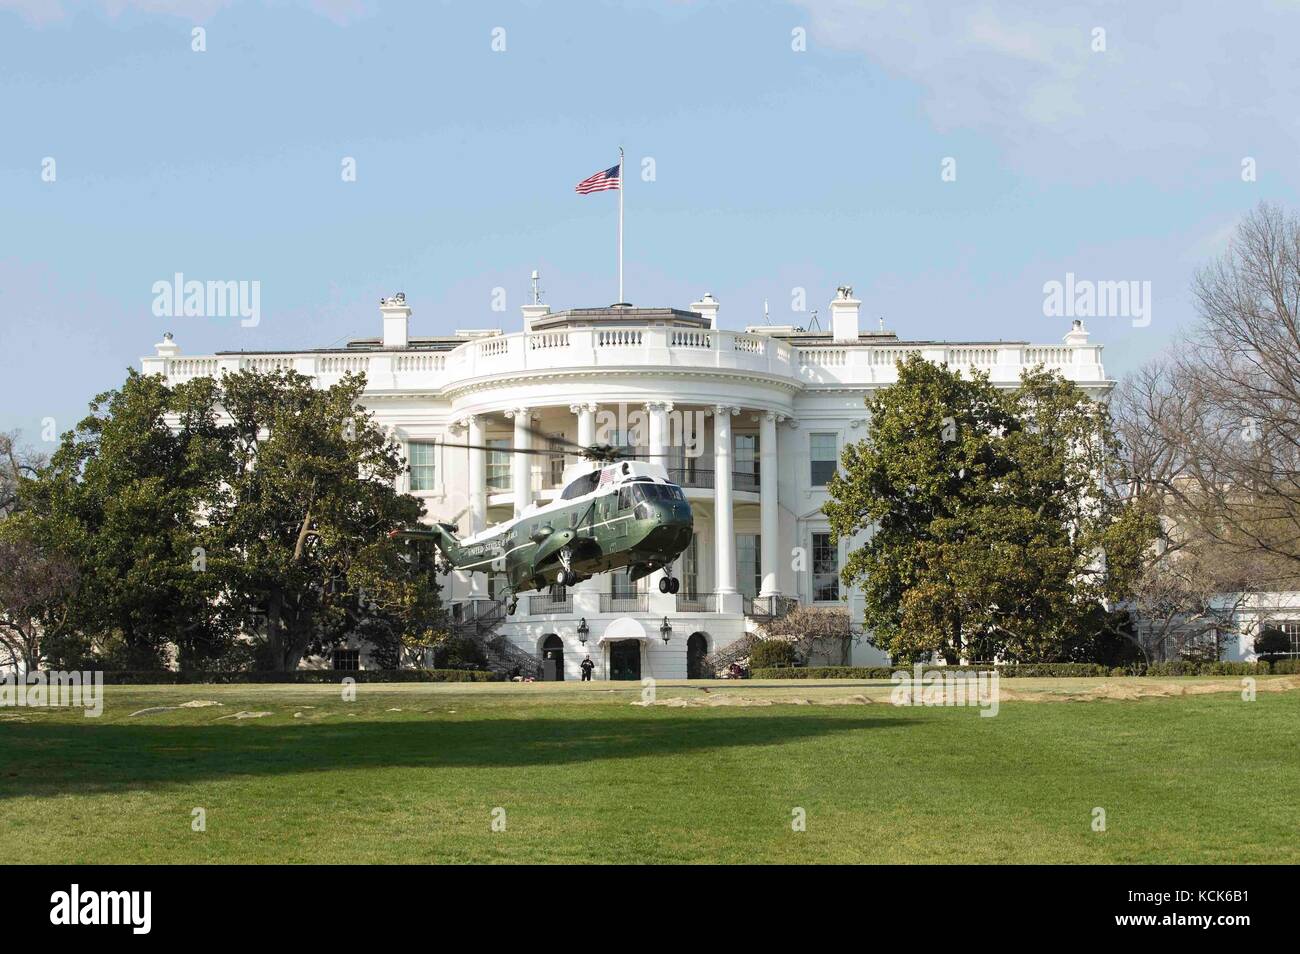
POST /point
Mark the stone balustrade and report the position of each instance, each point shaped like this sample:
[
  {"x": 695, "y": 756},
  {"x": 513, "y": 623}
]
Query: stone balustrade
[{"x": 809, "y": 365}]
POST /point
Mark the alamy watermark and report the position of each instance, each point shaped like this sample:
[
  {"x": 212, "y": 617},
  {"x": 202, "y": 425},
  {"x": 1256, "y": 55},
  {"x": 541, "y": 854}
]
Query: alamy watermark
[
  {"x": 42, "y": 690},
  {"x": 179, "y": 298},
  {"x": 1084, "y": 298},
  {"x": 946, "y": 687},
  {"x": 682, "y": 429}
]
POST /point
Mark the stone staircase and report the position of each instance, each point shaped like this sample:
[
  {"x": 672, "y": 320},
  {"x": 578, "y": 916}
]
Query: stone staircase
[{"x": 480, "y": 621}]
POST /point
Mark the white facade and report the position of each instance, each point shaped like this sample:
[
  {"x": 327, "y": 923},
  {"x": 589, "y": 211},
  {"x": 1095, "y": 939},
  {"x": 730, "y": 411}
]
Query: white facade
[{"x": 751, "y": 421}]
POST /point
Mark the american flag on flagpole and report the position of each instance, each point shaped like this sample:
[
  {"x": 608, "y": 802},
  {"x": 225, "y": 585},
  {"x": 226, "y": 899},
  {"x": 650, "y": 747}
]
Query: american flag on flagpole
[{"x": 600, "y": 182}]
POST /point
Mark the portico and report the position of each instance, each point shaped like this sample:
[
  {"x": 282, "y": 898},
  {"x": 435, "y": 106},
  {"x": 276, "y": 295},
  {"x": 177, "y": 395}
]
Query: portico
[{"x": 749, "y": 423}]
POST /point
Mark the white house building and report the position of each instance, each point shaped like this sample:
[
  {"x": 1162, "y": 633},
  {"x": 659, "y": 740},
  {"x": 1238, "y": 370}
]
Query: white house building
[{"x": 752, "y": 423}]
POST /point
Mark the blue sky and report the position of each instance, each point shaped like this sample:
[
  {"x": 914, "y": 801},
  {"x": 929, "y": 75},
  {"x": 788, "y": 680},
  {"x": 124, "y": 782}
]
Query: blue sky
[{"x": 775, "y": 168}]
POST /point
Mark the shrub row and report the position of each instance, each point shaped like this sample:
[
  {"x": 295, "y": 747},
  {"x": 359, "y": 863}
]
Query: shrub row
[
  {"x": 167, "y": 677},
  {"x": 1040, "y": 670}
]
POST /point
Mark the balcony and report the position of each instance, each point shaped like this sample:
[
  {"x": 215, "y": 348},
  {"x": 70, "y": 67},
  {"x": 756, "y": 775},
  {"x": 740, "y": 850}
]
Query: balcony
[
  {"x": 697, "y": 602},
  {"x": 701, "y": 478},
  {"x": 624, "y": 603},
  {"x": 546, "y": 605}
]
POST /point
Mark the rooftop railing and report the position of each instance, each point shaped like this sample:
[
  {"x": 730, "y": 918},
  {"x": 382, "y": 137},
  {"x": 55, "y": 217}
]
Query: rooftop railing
[{"x": 810, "y": 363}]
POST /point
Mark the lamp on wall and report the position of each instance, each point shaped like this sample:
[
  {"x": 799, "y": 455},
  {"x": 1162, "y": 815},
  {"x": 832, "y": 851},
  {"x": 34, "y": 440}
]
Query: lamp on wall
[
  {"x": 583, "y": 631},
  {"x": 666, "y": 630}
]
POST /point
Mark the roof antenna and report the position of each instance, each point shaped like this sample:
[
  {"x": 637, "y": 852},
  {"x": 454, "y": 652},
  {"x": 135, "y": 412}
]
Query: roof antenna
[
  {"x": 537, "y": 291},
  {"x": 813, "y": 322},
  {"x": 882, "y": 322},
  {"x": 767, "y": 320}
]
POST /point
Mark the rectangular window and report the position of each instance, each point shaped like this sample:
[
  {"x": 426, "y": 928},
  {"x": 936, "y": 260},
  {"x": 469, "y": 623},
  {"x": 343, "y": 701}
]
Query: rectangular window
[
  {"x": 826, "y": 568},
  {"x": 748, "y": 576},
  {"x": 421, "y": 463},
  {"x": 556, "y": 446},
  {"x": 682, "y": 468},
  {"x": 745, "y": 467},
  {"x": 498, "y": 465},
  {"x": 691, "y": 568},
  {"x": 1292, "y": 628},
  {"x": 823, "y": 452},
  {"x": 620, "y": 585},
  {"x": 348, "y": 660}
]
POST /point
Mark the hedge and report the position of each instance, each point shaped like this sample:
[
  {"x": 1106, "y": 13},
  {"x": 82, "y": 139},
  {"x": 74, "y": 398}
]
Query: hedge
[
  {"x": 1039, "y": 670},
  {"x": 309, "y": 676}
]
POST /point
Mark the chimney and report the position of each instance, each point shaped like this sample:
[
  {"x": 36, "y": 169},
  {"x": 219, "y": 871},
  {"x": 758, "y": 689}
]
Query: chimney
[
  {"x": 844, "y": 314},
  {"x": 708, "y": 307},
  {"x": 397, "y": 319},
  {"x": 532, "y": 312},
  {"x": 167, "y": 348},
  {"x": 534, "y": 309},
  {"x": 1078, "y": 335}
]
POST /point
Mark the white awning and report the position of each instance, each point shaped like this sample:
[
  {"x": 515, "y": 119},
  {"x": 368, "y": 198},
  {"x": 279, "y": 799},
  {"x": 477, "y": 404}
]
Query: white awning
[{"x": 625, "y": 627}]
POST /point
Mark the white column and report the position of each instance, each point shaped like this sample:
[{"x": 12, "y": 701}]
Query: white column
[
  {"x": 586, "y": 423},
  {"x": 656, "y": 447},
  {"x": 478, "y": 587},
  {"x": 769, "y": 525},
  {"x": 521, "y": 465},
  {"x": 724, "y": 535},
  {"x": 586, "y": 595}
]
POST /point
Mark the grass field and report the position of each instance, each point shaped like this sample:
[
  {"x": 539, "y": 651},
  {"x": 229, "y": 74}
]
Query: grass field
[{"x": 412, "y": 773}]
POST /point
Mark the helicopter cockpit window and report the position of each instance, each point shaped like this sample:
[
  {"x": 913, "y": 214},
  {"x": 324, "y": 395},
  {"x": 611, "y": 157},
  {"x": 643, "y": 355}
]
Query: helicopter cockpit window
[
  {"x": 582, "y": 485},
  {"x": 624, "y": 497},
  {"x": 650, "y": 491}
]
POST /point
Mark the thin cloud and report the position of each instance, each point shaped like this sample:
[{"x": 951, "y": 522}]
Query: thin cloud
[
  {"x": 40, "y": 13},
  {"x": 1174, "y": 85}
]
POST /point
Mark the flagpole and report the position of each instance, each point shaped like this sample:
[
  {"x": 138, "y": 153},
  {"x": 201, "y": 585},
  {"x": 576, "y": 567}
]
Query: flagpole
[{"x": 620, "y": 224}]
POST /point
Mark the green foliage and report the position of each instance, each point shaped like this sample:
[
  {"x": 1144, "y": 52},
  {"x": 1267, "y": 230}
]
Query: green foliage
[
  {"x": 461, "y": 654},
  {"x": 120, "y": 498},
  {"x": 256, "y": 506},
  {"x": 988, "y": 510},
  {"x": 169, "y": 677},
  {"x": 1040, "y": 670},
  {"x": 1020, "y": 670},
  {"x": 1272, "y": 644},
  {"x": 771, "y": 653}
]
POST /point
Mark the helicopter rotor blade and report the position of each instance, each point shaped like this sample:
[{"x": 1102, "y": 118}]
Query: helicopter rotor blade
[{"x": 503, "y": 450}]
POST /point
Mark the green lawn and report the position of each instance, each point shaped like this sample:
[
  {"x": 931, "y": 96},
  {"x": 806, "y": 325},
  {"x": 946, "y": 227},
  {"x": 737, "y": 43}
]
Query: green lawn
[{"x": 585, "y": 775}]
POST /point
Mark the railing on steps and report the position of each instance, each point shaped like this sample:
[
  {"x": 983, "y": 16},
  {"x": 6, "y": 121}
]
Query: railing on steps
[
  {"x": 514, "y": 658},
  {"x": 716, "y": 663},
  {"x": 479, "y": 620}
]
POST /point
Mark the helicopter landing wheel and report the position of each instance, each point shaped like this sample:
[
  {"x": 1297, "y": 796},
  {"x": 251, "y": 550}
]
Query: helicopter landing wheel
[
  {"x": 514, "y": 605},
  {"x": 567, "y": 575},
  {"x": 665, "y": 585},
  {"x": 674, "y": 585}
]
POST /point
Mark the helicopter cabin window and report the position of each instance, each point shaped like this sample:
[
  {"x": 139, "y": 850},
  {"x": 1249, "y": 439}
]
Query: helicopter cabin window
[{"x": 581, "y": 486}]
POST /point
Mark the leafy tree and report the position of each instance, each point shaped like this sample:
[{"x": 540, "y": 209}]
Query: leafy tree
[
  {"x": 306, "y": 512},
  {"x": 120, "y": 498},
  {"x": 1272, "y": 644},
  {"x": 36, "y": 586},
  {"x": 256, "y": 506},
  {"x": 988, "y": 512}
]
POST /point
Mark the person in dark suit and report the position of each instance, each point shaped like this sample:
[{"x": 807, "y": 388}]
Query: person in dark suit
[{"x": 587, "y": 666}]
